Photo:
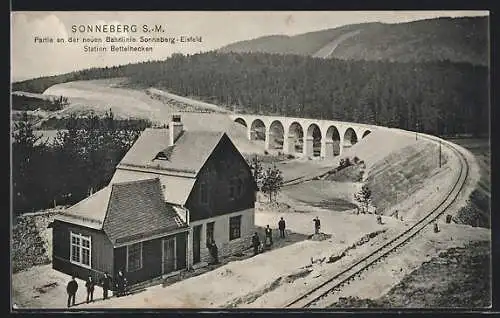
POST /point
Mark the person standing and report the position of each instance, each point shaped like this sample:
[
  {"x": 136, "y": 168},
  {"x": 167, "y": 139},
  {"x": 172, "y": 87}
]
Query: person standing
[
  {"x": 214, "y": 252},
  {"x": 255, "y": 243},
  {"x": 317, "y": 225},
  {"x": 72, "y": 288},
  {"x": 90, "y": 289},
  {"x": 269, "y": 237},
  {"x": 121, "y": 283},
  {"x": 106, "y": 283},
  {"x": 281, "y": 226}
]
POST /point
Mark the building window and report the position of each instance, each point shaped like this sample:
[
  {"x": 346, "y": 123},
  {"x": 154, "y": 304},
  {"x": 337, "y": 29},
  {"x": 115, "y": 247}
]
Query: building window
[
  {"x": 232, "y": 189},
  {"x": 203, "y": 193},
  {"x": 210, "y": 232},
  {"x": 235, "y": 188},
  {"x": 80, "y": 249},
  {"x": 239, "y": 187},
  {"x": 134, "y": 257},
  {"x": 234, "y": 227}
]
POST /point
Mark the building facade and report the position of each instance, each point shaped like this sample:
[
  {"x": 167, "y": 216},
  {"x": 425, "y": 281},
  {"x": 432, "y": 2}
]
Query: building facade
[
  {"x": 197, "y": 182},
  {"x": 125, "y": 226}
]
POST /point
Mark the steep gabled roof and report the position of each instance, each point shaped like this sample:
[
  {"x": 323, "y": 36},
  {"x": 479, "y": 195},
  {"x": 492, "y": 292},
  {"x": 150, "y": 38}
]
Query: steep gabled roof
[
  {"x": 187, "y": 156},
  {"x": 136, "y": 210},
  {"x": 90, "y": 212},
  {"x": 126, "y": 211},
  {"x": 176, "y": 189}
]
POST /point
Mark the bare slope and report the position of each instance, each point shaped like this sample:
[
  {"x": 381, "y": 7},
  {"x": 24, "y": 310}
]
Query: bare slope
[
  {"x": 377, "y": 145},
  {"x": 101, "y": 95},
  {"x": 182, "y": 102},
  {"x": 402, "y": 170},
  {"x": 405, "y": 171},
  {"x": 302, "y": 44},
  {"x": 328, "y": 49},
  {"x": 477, "y": 212},
  {"x": 462, "y": 39}
]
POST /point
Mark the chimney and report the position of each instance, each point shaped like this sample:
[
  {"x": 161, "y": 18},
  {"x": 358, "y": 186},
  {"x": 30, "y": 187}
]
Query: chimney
[{"x": 175, "y": 129}]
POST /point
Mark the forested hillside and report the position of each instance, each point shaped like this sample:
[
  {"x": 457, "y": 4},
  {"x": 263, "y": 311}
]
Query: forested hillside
[
  {"x": 82, "y": 159},
  {"x": 439, "y": 97},
  {"x": 453, "y": 39},
  {"x": 303, "y": 44}
]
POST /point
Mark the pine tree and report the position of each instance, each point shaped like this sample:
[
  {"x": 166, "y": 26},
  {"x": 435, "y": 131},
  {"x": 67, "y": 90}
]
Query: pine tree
[
  {"x": 363, "y": 197},
  {"x": 272, "y": 182}
]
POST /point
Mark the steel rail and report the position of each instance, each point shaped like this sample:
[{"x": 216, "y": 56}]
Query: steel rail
[{"x": 312, "y": 297}]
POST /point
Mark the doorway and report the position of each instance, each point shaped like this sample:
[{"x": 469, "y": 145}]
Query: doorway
[
  {"x": 169, "y": 262},
  {"x": 196, "y": 243}
]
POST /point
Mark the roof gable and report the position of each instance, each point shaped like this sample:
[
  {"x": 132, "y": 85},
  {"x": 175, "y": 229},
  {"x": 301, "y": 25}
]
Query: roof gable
[
  {"x": 90, "y": 212},
  {"x": 137, "y": 209},
  {"x": 225, "y": 140}
]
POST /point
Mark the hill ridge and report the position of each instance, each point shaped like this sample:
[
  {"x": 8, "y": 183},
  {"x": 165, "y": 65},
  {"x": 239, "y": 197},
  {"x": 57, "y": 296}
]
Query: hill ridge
[{"x": 460, "y": 39}]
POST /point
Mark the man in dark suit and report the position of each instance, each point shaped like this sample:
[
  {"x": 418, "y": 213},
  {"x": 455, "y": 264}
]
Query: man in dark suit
[
  {"x": 71, "y": 288},
  {"x": 317, "y": 225},
  {"x": 106, "y": 283},
  {"x": 90, "y": 289},
  {"x": 281, "y": 226}
]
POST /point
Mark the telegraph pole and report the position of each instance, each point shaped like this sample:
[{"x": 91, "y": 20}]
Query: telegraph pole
[{"x": 416, "y": 131}]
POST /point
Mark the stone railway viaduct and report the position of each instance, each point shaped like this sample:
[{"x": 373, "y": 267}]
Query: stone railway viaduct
[{"x": 304, "y": 137}]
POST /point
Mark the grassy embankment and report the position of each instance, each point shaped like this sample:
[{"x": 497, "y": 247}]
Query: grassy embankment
[{"x": 433, "y": 285}]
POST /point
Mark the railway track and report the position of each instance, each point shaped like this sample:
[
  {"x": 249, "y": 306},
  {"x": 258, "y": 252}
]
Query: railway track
[{"x": 317, "y": 296}]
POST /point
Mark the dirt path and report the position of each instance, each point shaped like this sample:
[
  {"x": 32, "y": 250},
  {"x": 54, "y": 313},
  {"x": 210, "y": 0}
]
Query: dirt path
[{"x": 188, "y": 101}]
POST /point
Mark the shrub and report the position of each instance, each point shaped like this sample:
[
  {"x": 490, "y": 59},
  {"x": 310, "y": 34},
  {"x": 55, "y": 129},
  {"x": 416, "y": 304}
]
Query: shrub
[
  {"x": 345, "y": 162},
  {"x": 342, "y": 163}
]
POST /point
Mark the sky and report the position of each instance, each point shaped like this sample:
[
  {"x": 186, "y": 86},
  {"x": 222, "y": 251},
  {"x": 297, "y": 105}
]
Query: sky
[{"x": 30, "y": 59}]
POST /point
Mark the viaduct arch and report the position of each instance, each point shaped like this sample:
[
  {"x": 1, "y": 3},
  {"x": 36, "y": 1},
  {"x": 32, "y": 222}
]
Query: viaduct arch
[{"x": 303, "y": 136}]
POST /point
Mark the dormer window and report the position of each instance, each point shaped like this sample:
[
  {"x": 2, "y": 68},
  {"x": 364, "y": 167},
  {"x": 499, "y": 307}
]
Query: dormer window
[
  {"x": 161, "y": 156},
  {"x": 176, "y": 118},
  {"x": 164, "y": 154}
]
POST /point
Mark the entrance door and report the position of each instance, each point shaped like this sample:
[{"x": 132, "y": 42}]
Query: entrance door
[
  {"x": 169, "y": 263},
  {"x": 196, "y": 243},
  {"x": 180, "y": 246}
]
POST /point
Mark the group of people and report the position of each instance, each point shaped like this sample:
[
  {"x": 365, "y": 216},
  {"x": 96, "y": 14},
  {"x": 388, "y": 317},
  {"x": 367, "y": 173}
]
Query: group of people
[
  {"x": 121, "y": 280},
  {"x": 105, "y": 282},
  {"x": 259, "y": 247}
]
